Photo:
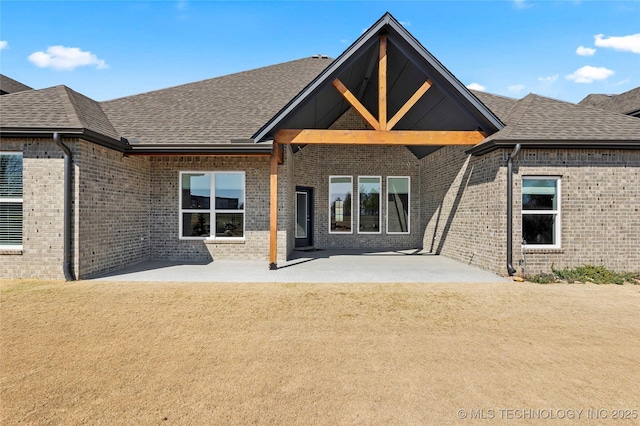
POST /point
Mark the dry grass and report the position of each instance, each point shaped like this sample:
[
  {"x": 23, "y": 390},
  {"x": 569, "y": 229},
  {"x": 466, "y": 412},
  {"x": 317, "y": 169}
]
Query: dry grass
[{"x": 182, "y": 353}]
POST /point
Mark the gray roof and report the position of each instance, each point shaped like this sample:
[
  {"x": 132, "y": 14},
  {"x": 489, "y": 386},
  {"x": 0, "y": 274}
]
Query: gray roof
[
  {"x": 9, "y": 85},
  {"x": 501, "y": 106},
  {"x": 217, "y": 110},
  {"x": 54, "y": 109},
  {"x": 542, "y": 121},
  {"x": 624, "y": 103}
]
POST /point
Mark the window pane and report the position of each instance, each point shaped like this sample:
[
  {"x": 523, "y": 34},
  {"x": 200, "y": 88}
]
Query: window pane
[
  {"x": 539, "y": 194},
  {"x": 369, "y": 200},
  {"x": 196, "y": 191},
  {"x": 301, "y": 215},
  {"x": 11, "y": 175},
  {"x": 229, "y": 191},
  {"x": 398, "y": 204},
  {"x": 196, "y": 224},
  {"x": 340, "y": 203},
  {"x": 230, "y": 225},
  {"x": 11, "y": 224},
  {"x": 538, "y": 229}
]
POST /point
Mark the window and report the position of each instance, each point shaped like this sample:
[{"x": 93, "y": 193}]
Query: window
[
  {"x": 11, "y": 200},
  {"x": 541, "y": 212},
  {"x": 340, "y": 204},
  {"x": 369, "y": 189},
  {"x": 197, "y": 213},
  {"x": 398, "y": 204}
]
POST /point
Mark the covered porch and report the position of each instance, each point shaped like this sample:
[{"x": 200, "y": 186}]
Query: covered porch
[{"x": 402, "y": 97}]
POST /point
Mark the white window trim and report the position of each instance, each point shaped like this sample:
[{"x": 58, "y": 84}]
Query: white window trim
[
  {"x": 557, "y": 212},
  {"x": 329, "y": 216},
  {"x": 379, "y": 205},
  {"x": 212, "y": 210},
  {"x": 408, "y": 206},
  {"x": 20, "y": 200}
]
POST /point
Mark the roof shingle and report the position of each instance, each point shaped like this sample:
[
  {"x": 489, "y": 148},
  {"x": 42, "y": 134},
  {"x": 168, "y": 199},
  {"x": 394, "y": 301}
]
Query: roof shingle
[
  {"x": 9, "y": 85},
  {"x": 217, "y": 110},
  {"x": 54, "y": 108}
]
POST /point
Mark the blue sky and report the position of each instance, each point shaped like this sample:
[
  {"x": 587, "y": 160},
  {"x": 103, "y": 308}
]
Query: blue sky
[{"x": 106, "y": 50}]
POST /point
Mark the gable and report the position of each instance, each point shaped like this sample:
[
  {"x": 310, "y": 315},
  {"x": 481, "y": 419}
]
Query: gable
[{"x": 446, "y": 105}]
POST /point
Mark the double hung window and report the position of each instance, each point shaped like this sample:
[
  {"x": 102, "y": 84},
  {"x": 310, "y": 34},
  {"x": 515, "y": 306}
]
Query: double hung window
[
  {"x": 11, "y": 200},
  {"x": 541, "y": 211},
  {"x": 212, "y": 205}
]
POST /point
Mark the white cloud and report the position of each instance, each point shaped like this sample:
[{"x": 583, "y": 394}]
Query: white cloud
[
  {"x": 516, "y": 88},
  {"x": 405, "y": 23},
  {"x": 550, "y": 79},
  {"x": 630, "y": 43},
  {"x": 4, "y": 44},
  {"x": 522, "y": 4},
  {"x": 65, "y": 58},
  {"x": 585, "y": 51},
  {"x": 476, "y": 86},
  {"x": 589, "y": 74}
]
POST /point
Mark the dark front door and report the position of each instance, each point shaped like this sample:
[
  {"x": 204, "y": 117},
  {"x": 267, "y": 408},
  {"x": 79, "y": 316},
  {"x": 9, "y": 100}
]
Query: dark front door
[{"x": 304, "y": 216}]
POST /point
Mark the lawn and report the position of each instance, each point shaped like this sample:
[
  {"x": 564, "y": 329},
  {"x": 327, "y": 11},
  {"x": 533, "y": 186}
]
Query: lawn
[{"x": 184, "y": 353}]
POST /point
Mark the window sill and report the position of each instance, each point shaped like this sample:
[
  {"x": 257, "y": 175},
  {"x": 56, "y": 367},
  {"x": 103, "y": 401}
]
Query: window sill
[
  {"x": 542, "y": 250},
  {"x": 224, "y": 241},
  {"x": 11, "y": 252}
]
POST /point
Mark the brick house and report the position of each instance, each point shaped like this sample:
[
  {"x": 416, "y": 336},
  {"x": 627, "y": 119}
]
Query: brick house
[{"x": 381, "y": 148}]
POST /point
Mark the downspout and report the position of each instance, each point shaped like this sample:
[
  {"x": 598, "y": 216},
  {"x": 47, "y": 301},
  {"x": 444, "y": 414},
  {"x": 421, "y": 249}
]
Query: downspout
[
  {"x": 68, "y": 189},
  {"x": 510, "y": 269}
]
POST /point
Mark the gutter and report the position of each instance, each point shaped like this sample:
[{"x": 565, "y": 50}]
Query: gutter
[
  {"x": 510, "y": 269},
  {"x": 68, "y": 163},
  {"x": 492, "y": 145}
]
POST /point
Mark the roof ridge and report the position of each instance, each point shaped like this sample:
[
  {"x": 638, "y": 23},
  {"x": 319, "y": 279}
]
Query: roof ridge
[
  {"x": 518, "y": 112},
  {"x": 73, "y": 113}
]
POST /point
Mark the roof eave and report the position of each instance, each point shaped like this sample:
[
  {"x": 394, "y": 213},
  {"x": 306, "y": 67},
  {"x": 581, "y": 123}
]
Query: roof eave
[
  {"x": 42, "y": 132},
  {"x": 201, "y": 149},
  {"x": 492, "y": 145}
]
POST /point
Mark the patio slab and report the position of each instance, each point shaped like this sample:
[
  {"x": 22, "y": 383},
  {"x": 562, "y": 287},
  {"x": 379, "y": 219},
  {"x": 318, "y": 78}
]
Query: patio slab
[{"x": 320, "y": 266}]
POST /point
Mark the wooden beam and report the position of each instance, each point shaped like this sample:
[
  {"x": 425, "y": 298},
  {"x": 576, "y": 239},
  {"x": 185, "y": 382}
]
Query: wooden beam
[
  {"x": 410, "y": 103},
  {"x": 355, "y": 103},
  {"x": 273, "y": 209},
  {"x": 378, "y": 137},
  {"x": 382, "y": 83}
]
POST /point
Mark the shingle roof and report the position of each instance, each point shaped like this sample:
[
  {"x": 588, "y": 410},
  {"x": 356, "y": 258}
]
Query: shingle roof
[
  {"x": 9, "y": 85},
  {"x": 501, "y": 106},
  {"x": 217, "y": 110},
  {"x": 542, "y": 121},
  {"x": 54, "y": 108},
  {"x": 624, "y": 103}
]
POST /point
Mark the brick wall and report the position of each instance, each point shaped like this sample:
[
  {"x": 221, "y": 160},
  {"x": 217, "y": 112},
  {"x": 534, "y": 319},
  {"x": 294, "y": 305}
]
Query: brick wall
[
  {"x": 165, "y": 242},
  {"x": 43, "y": 188},
  {"x": 464, "y": 207},
  {"x": 112, "y": 215},
  {"x": 600, "y": 208}
]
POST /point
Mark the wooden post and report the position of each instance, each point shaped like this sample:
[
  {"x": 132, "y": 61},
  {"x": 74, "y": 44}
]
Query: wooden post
[
  {"x": 273, "y": 208},
  {"x": 382, "y": 83}
]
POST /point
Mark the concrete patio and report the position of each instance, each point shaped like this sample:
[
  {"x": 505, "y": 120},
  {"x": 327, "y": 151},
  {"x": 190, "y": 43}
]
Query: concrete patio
[{"x": 319, "y": 266}]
